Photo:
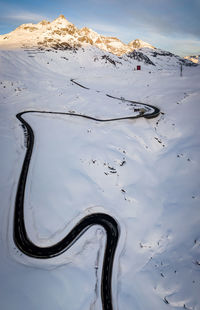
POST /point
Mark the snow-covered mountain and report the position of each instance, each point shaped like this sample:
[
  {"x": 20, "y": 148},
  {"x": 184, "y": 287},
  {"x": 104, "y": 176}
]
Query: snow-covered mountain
[
  {"x": 159, "y": 58},
  {"x": 62, "y": 34}
]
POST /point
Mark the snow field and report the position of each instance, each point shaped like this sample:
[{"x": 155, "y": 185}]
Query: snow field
[{"x": 143, "y": 172}]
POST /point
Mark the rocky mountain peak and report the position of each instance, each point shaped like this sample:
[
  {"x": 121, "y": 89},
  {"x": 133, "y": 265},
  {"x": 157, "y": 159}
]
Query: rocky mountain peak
[
  {"x": 60, "y": 21},
  {"x": 62, "y": 32},
  {"x": 137, "y": 43},
  {"x": 85, "y": 29},
  {"x": 61, "y": 16}
]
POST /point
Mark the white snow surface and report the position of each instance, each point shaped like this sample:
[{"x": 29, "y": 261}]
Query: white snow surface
[{"x": 154, "y": 194}]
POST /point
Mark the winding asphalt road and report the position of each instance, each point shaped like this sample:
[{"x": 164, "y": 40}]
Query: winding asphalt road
[
  {"x": 156, "y": 111},
  {"x": 110, "y": 225}
]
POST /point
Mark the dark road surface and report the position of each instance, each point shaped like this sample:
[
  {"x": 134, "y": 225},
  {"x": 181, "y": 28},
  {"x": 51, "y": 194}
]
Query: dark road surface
[
  {"x": 156, "y": 111},
  {"x": 110, "y": 225}
]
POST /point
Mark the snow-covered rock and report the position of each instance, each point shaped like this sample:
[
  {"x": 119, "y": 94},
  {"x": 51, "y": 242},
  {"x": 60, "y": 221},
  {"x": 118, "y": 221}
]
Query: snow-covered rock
[
  {"x": 159, "y": 58},
  {"x": 194, "y": 58},
  {"x": 61, "y": 32},
  {"x": 140, "y": 44}
]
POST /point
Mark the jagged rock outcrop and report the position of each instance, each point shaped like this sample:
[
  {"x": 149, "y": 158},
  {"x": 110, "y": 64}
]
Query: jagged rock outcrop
[
  {"x": 62, "y": 32},
  {"x": 140, "y": 57}
]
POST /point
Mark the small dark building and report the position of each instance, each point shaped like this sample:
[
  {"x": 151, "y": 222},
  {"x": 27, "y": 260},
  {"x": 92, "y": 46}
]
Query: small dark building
[{"x": 138, "y": 67}]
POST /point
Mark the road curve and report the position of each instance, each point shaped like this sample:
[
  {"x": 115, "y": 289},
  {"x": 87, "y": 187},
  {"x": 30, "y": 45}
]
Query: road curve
[
  {"x": 110, "y": 225},
  {"x": 155, "y": 113}
]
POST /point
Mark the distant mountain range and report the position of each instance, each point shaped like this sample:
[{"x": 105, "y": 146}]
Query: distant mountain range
[{"x": 62, "y": 34}]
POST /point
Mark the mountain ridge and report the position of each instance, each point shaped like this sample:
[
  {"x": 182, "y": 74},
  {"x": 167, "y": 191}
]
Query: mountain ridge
[
  {"x": 61, "y": 34},
  {"x": 61, "y": 31}
]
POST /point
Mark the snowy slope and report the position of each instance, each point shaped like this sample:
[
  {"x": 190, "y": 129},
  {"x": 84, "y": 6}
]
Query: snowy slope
[
  {"x": 158, "y": 58},
  {"x": 154, "y": 194}
]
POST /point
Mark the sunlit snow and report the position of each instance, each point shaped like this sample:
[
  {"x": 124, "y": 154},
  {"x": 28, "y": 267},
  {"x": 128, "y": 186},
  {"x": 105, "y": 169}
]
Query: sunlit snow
[{"x": 154, "y": 193}]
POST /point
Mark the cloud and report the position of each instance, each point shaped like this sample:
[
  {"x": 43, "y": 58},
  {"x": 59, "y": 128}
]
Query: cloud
[
  {"x": 12, "y": 14},
  {"x": 104, "y": 27},
  {"x": 161, "y": 16},
  {"x": 23, "y": 16},
  {"x": 180, "y": 45},
  {"x": 11, "y": 17},
  {"x": 184, "y": 47},
  {"x": 109, "y": 29}
]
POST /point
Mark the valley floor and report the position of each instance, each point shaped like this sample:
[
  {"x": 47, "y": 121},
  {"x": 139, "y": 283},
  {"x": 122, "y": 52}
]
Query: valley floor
[{"x": 144, "y": 173}]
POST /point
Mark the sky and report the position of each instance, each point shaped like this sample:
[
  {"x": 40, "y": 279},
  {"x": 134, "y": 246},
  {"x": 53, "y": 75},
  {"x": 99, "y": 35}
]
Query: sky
[{"x": 172, "y": 25}]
